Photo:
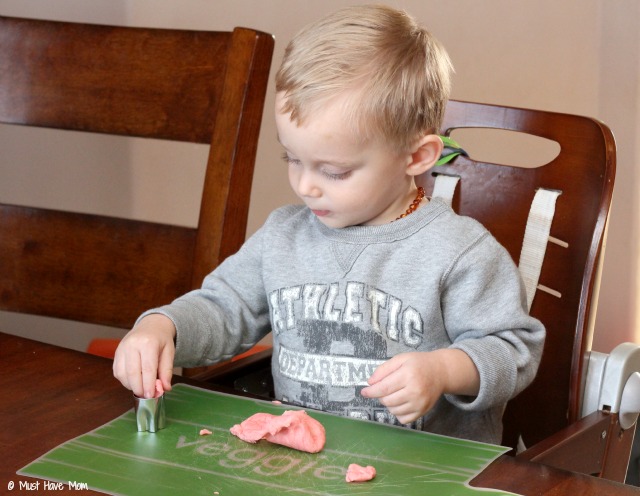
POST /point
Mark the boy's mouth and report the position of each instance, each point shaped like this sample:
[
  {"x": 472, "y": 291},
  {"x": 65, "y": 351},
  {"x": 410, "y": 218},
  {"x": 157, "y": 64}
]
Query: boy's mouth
[{"x": 321, "y": 213}]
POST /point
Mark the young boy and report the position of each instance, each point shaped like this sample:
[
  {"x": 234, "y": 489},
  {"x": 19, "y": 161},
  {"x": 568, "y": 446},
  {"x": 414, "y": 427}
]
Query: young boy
[{"x": 383, "y": 305}]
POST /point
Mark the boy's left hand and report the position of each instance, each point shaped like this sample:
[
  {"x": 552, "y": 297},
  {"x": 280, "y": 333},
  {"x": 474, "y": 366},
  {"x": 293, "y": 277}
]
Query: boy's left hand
[{"x": 409, "y": 384}]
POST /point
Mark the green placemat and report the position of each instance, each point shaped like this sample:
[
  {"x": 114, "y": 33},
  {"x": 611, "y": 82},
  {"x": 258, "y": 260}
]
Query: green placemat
[{"x": 116, "y": 459}]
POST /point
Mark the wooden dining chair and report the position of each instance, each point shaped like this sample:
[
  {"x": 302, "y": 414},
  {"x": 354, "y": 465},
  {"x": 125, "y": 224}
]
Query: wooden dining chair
[
  {"x": 551, "y": 218},
  {"x": 202, "y": 87}
]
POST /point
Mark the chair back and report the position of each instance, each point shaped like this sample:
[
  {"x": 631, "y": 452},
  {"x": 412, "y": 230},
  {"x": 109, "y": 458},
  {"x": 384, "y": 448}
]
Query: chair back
[
  {"x": 500, "y": 197},
  {"x": 191, "y": 86}
]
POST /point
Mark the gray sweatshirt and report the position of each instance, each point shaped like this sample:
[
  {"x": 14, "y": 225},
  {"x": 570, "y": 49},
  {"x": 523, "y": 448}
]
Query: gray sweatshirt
[{"x": 342, "y": 301}]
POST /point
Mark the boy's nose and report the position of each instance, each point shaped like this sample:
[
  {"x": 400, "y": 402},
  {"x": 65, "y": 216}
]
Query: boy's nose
[{"x": 307, "y": 186}]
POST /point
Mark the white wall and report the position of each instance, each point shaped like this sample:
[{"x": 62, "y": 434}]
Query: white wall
[{"x": 575, "y": 56}]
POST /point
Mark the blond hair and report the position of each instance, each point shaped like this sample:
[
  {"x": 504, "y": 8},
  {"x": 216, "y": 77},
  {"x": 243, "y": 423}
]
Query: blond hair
[{"x": 395, "y": 74}]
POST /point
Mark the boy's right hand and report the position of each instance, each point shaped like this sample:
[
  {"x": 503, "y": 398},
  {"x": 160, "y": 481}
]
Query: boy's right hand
[{"x": 145, "y": 354}]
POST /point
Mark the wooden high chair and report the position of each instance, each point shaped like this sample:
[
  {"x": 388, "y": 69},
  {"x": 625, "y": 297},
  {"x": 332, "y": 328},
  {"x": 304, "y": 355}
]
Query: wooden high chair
[
  {"x": 190, "y": 86},
  {"x": 569, "y": 199},
  {"x": 552, "y": 221}
]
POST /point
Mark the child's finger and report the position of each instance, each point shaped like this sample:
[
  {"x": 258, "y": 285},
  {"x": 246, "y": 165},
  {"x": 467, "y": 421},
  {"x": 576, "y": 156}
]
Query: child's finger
[
  {"x": 385, "y": 386},
  {"x": 165, "y": 367},
  {"x": 119, "y": 370},
  {"x": 384, "y": 370},
  {"x": 407, "y": 418},
  {"x": 149, "y": 365},
  {"x": 132, "y": 373}
]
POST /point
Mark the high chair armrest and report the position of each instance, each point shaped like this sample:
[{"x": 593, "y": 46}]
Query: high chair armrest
[
  {"x": 600, "y": 442},
  {"x": 595, "y": 445}
]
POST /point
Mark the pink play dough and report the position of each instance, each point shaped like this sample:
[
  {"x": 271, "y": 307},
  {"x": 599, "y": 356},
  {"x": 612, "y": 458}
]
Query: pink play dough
[
  {"x": 159, "y": 388},
  {"x": 357, "y": 473},
  {"x": 294, "y": 429}
]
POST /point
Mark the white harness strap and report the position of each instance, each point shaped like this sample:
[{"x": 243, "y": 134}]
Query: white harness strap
[
  {"x": 536, "y": 237},
  {"x": 444, "y": 187}
]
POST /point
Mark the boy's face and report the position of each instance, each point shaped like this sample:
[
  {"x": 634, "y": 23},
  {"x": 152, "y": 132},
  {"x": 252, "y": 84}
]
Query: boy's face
[{"x": 343, "y": 180}]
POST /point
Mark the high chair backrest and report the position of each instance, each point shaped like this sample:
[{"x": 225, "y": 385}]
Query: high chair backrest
[
  {"x": 191, "y": 86},
  {"x": 500, "y": 197}
]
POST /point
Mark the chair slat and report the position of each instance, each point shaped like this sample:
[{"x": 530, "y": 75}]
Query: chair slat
[
  {"x": 90, "y": 268},
  {"x": 115, "y": 80}
]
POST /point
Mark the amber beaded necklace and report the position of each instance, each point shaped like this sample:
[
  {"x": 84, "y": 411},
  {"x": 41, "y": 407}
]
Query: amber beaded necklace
[{"x": 414, "y": 204}]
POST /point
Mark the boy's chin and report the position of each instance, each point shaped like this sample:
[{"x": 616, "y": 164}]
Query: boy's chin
[
  {"x": 336, "y": 221},
  {"x": 333, "y": 222}
]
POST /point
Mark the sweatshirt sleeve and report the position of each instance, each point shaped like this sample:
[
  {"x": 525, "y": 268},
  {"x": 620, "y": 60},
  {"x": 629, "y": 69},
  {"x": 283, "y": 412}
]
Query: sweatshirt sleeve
[
  {"x": 227, "y": 315},
  {"x": 486, "y": 316}
]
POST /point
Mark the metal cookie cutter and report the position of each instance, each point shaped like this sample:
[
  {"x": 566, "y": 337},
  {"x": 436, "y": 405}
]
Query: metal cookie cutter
[{"x": 150, "y": 414}]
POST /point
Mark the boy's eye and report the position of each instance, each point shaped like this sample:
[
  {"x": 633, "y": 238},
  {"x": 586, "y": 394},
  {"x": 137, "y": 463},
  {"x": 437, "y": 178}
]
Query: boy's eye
[
  {"x": 331, "y": 175},
  {"x": 289, "y": 160},
  {"x": 338, "y": 177}
]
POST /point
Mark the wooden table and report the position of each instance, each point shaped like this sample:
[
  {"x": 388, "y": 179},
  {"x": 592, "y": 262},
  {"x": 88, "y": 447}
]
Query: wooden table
[{"x": 50, "y": 395}]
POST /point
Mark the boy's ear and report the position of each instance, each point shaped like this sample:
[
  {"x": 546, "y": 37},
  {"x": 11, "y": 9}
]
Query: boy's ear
[{"x": 424, "y": 155}]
